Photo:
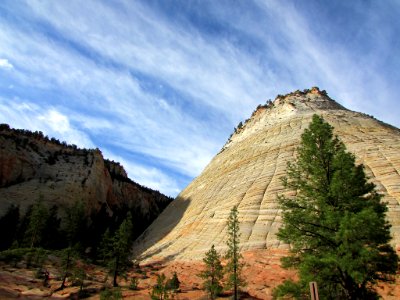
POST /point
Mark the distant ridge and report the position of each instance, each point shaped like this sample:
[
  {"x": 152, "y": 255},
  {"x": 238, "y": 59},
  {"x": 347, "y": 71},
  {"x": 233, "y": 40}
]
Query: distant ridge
[{"x": 34, "y": 165}]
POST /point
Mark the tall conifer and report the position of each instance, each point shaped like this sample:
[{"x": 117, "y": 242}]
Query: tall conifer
[
  {"x": 233, "y": 256},
  {"x": 335, "y": 224}
]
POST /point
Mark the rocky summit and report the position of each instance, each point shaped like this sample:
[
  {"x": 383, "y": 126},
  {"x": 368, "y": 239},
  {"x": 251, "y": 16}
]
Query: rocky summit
[{"x": 247, "y": 172}]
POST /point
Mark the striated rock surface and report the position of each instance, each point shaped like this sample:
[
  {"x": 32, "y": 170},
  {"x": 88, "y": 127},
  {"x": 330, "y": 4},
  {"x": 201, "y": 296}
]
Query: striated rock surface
[
  {"x": 32, "y": 165},
  {"x": 247, "y": 173}
]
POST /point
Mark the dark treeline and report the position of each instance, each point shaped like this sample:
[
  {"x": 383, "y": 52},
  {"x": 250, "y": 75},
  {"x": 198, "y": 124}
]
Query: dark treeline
[
  {"x": 38, "y": 135},
  {"x": 48, "y": 228},
  {"x": 70, "y": 234}
]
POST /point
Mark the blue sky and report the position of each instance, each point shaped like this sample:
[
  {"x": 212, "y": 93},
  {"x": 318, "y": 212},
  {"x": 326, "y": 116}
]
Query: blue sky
[{"x": 160, "y": 85}]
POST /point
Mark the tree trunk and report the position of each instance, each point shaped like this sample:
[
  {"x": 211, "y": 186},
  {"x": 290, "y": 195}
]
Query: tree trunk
[
  {"x": 115, "y": 284},
  {"x": 66, "y": 270}
]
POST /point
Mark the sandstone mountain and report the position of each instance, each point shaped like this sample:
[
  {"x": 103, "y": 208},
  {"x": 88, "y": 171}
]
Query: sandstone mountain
[
  {"x": 32, "y": 166},
  {"x": 247, "y": 173}
]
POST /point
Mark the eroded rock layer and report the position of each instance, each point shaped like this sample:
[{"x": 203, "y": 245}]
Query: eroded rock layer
[
  {"x": 247, "y": 173},
  {"x": 33, "y": 166}
]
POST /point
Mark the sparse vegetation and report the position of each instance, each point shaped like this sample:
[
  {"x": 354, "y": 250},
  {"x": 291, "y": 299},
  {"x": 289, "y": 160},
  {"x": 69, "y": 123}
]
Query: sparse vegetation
[
  {"x": 160, "y": 291},
  {"x": 134, "y": 283},
  {"x": 111, "y": 294}
]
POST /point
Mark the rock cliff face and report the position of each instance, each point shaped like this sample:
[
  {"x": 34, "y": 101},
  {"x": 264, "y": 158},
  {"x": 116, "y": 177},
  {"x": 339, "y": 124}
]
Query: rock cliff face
[
  {"x": 247, "y": 173},
  {"x": 32, "y": 165}
]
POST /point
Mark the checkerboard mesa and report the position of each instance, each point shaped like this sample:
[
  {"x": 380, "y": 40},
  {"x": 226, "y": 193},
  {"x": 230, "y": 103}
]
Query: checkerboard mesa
[{"x": 247, "y": 172}]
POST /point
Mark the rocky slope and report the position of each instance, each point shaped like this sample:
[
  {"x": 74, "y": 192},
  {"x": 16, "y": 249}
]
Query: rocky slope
[
  {"x": 247, "y": 173},
  {"x": 32, "y": 165}
]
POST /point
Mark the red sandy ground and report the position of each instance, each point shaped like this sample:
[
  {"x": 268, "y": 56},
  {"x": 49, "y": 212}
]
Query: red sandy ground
[{"x": 262, "y": 273}]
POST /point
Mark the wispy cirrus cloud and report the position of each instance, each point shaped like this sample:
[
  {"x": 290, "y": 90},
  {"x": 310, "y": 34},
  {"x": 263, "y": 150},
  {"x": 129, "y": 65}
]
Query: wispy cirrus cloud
[{"x": 160, "y": 85}]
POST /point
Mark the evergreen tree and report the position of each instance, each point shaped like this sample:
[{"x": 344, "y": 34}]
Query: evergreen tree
[
  {"x": 75, "y": 224},
  {"x": 68, "y": 262},
  {"x": 116, "y": 249},
  {"x": 160, "y": 291},
  {"x": 37, "y": 223},
  {"x": 213, "y": 273},
  {"x": 233, "y": 256},
  {"x": 52, "y": 237},
  {"x": 335, "y": 224},
  {"x": 173, "y": 283}
]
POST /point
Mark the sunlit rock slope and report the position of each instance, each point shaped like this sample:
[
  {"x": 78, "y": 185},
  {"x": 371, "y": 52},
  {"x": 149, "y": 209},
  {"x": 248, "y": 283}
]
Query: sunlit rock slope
[
  {"x": 247, "y": 173},
  {"x": 33, "y": 166}
]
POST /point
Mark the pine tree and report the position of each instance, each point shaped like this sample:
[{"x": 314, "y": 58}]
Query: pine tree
[
  {"x": 233, "y": 256},
  {"x": 173, "y": 283},
  {"x": 160, "y": 291},
  {"x": 213, "y": 273},
  {"x": 52, "y": 237},
  {"x": 122, "y": 244},
  {"x": 335, "y": 224},
  {"x": 37, "y": 223},
  {"x": 116, "y": 249},
  {"x": 75, "y": 224}
]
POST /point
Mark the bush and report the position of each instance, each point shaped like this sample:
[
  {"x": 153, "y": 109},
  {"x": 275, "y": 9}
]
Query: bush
[
  {"x": 13, "y": 255},
  {"x": 134, "y": 283},
  {"x": 173, "y": 283},
  {"x": 111, "y": 294},
  {"x": 159, "y": 291},
  {"x": 289, "y": 289}
]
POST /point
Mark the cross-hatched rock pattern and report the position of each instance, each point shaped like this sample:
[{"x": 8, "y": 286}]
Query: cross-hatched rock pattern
[{"x": 247, "y": 172}]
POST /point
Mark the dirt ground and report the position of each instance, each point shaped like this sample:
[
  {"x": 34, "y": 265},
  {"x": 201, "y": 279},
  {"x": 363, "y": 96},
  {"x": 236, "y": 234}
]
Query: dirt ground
[{"x": 262, "y": 273}]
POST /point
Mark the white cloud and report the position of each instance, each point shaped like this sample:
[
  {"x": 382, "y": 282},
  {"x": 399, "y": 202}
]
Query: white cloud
[
  {"x": 5, "y": 64},
  {"x": 25, "y": 115},
  {"x": 201, "y": 85}
]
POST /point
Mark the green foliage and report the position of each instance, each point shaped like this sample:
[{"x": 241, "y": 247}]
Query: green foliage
[
  {"x": 160, "y": 291},
  {"x": 37, "y": 257},
  {"x": 134, "y": 283},
  {"x": 213, "y": 273},
  {"x": 336, "y": 223},
  {"x": 116, "y": 249},
  {"x": 75, "y": 222},
  {"x": 52, "y": 237},
  {"x": 111, "y": 294},
  {"x": 37, "y": 223},
  {"x": 68, "y": 261},
  {"x": 34, "y": 257},
  {"x": 290, "y": 290},
  {"x": 106, "y": 247},
  {"x": 173, "y": 283},
  {"x": 78, "y": 276},
  {"x": 13, "y": 256},
  {"x": 234, "y": 265}
]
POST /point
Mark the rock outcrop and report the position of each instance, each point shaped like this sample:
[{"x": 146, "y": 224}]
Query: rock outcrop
[
  {"x": 33, "y": 166},
  {"x": 247, "y": 173}
]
